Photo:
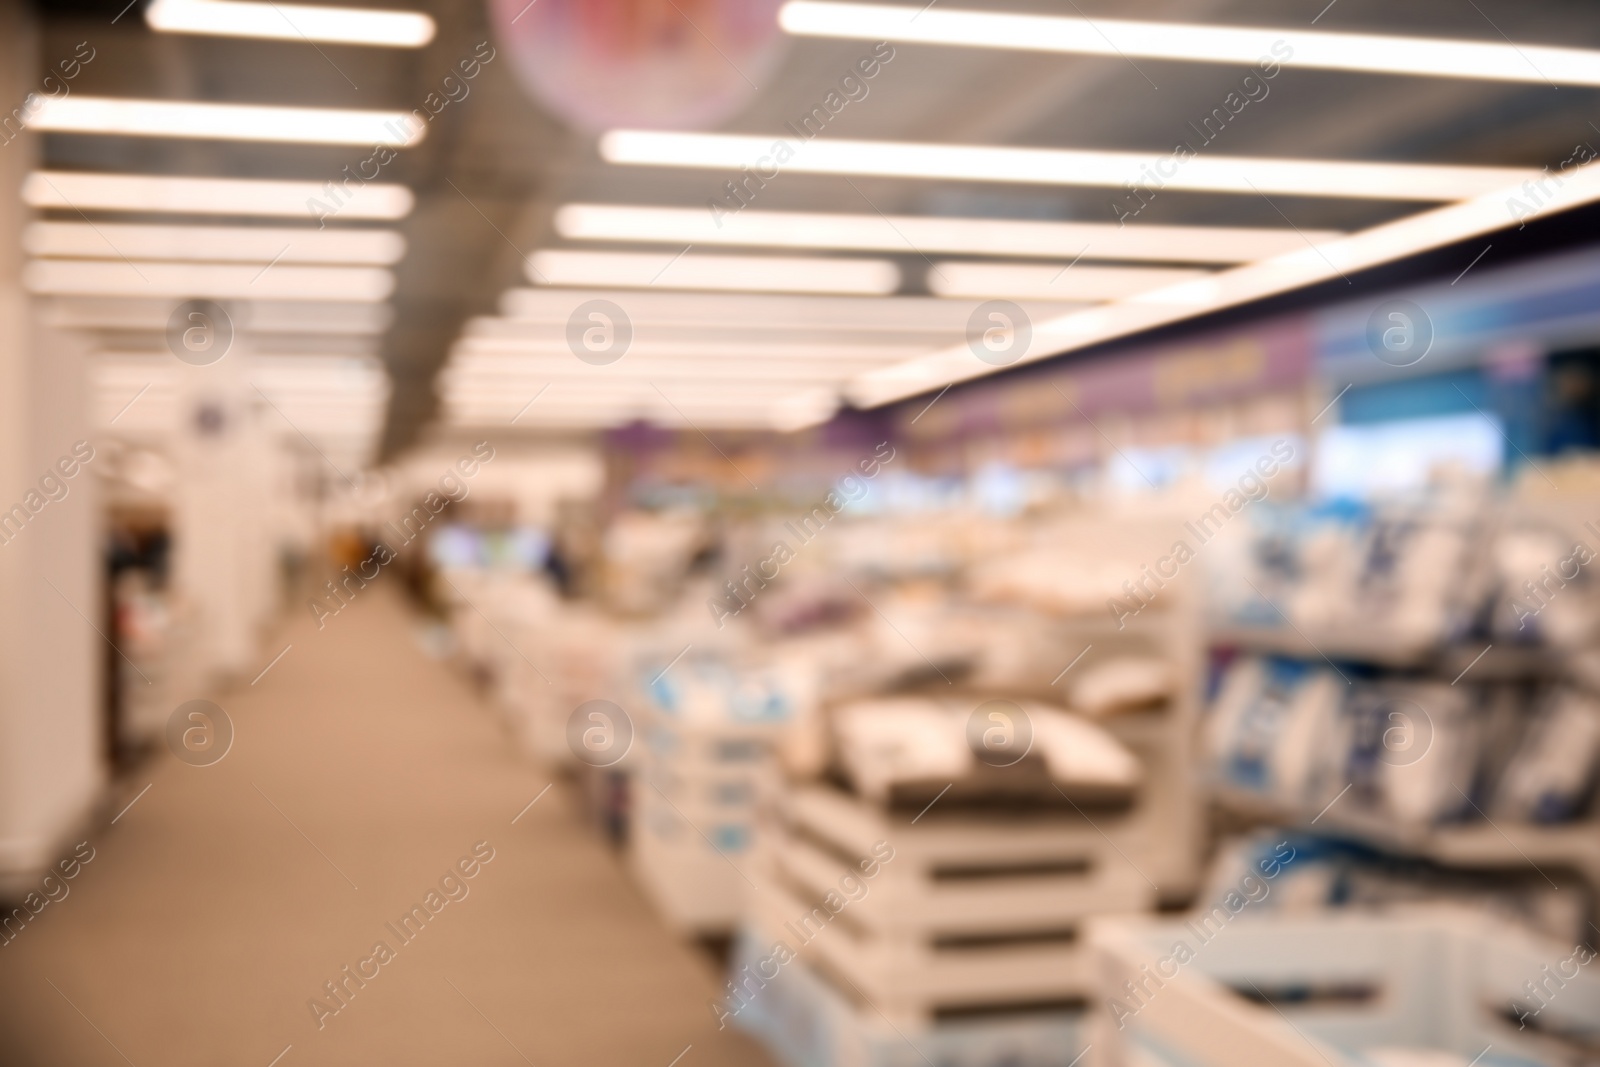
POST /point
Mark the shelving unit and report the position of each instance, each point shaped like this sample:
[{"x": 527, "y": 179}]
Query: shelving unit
[
  {"x": 1480, "y": 661},
  {"x": 1481, "y": 843}
]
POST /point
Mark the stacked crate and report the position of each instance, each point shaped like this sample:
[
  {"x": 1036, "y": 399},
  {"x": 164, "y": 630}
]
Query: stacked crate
[
  {"x": 813, "y": 1025},
  {"x": 703, "y": 749},
  {"x": 970, "y": 911}
]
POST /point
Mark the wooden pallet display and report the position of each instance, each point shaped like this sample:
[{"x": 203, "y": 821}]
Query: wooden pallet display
[{"x": 969, "y": 911}]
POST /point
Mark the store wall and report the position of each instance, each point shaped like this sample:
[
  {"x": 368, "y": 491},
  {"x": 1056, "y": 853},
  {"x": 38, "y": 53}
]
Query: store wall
[{"x": 51, "y": 733}]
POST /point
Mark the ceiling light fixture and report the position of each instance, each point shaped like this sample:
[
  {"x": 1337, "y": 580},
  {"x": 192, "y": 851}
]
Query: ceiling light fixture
[
  {"x": 216, "y": 281},
  {"x": 128, "y": 117},
  {"x": 753, "y": 311},
  {"x": 1245, "y": 45},
  {"x": 1053, "y": 166},
  {"x": 726, "y": 355},
  {"x": 238, "y": 244},
  {"x": 1043, "y": 281},
  {"x": 291, "y": 22},
  {"x": 288, "y": 323},
  {"x": 929, "y": 234},
  {"x": 85, "y": 191},
  {"x": 740, "y": 273}
]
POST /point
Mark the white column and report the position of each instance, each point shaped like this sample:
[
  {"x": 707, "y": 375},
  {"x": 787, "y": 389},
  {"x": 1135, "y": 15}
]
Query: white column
[
  {"x": 51, "y": 585},
  {"x": 221, "y": 544}
]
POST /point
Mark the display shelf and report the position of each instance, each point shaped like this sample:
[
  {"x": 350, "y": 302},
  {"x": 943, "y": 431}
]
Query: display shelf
[
  {"x": 1338, "y": 646},
  {"x": 1482, "y": 844},
  {"x": 1479, "y": 659}
]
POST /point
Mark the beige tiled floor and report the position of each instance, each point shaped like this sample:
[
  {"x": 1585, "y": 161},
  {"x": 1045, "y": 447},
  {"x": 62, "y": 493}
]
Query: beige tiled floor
[{"x": 206, "y": 921}]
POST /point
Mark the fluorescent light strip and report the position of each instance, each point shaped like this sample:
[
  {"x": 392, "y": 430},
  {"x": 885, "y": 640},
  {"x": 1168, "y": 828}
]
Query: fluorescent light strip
[
  {"x": 238, "y": 244},
  {"x": 705, "y": 393},
  {"x": 1035, "y": 281},
  {"x": 89, "y": 277},
  {"x": 764, "y": 311},
  {"x": 287, "y": 322},
  {"x": 226, "y": 122},
  {"x": 1052, "y": 166},
  {"x": 686, "y": 271},
  {"x": 1245, "y": 45},
  {"x": 678, "y": 411},
  {"x": 329, "y": 410},
  {"x": 86, "y": 191},
  {"x": 553, "y": 335},
  {"x": 1359, "y": 251},
  {"x": 928, "y": 235},
  {"x": 730, "y": 352},
  {"x": 649, "y": 404},
  {"x": 472, "y": 373},
  {"x": 737, "y": 417},
  {"x": 291, "y": 22},
  {"x": 351, "y": 392}
]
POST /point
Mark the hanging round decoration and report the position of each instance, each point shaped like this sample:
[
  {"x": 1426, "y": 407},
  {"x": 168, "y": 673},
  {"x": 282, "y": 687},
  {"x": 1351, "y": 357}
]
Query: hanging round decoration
[{"x": 603, "y": 64}]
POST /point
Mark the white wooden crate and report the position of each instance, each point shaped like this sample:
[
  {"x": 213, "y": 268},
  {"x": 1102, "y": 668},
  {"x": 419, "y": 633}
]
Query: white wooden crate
[
  {"x": 805, "y": 1022},
  {"x": 695, "y": 792},
  {"x": 1438, "y": 981},
  {"x": 953, "y": 874},
  {"x": 911, "y": 979},
  {"x": 971, "y": 910},
  {"x": 690, "y": 871},
  {"x": 698, "y": 768}
]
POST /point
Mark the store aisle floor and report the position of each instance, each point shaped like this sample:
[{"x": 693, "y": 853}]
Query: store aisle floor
[{"x": 361, "y": 772}]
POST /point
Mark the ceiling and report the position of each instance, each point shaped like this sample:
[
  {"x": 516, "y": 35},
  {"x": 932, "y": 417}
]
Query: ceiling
[{"x": 495, "y": 168}]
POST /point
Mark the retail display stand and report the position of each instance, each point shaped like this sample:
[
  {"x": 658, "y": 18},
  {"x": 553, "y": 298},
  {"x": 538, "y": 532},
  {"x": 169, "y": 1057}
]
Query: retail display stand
[{"x": 982, "y": 910}]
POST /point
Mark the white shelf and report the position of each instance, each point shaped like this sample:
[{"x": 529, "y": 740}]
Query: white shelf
[{"x": 1499, "y": 844}]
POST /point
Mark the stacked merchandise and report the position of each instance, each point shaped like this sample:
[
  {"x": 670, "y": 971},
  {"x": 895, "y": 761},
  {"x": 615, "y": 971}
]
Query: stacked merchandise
[
  {"x": 521, "y": 612},
  {"x": 963, "y": 822},
  {"x": 1445, "y": 771},
  {"x": 578, "y": 649},
  {"x": 1437, "y": 692},
  {"x": 965, "y": 907},
  {"x": 1390, "y": 581},
  {"x": 540, "y": 657},
  {"x": 705, "y": 748},
  {"x": 501, "y": 622},
  {"x": 646, "y": 556},
  {"x": 473, "y": 634}
]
